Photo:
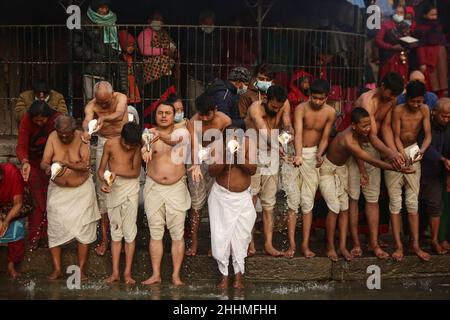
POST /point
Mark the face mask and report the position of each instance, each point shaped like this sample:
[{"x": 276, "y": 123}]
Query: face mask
[
  {"x": 408, "y": 22},
  {"x": 208, "y": 29},
  {"x": 156, "y": 25},
  {"x": 242, "y": 90},
  {"x": 397, "y": 18},
  {"x": 179, "y": 116},
  {"x": 263, "y": 85}
]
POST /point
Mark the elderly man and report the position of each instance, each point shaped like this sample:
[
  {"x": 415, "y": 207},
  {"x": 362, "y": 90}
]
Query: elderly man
[
  {"x": 72, "y": 209},
  {"x": 431, "y": 98},
  {"x": 109, "y": 108}
]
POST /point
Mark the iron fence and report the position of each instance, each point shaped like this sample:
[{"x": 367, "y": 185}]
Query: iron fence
[{"x": 183, "y": 58}]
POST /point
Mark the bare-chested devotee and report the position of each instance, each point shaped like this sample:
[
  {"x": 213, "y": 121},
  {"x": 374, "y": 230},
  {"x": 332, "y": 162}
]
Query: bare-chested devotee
[
  {"x": 313, "y": 121},
  {"x": 207, "y": 118},
  {"x": 378, "y": 102},
  {"x": 334, "y": 176},
  {"x": 111, "y": 111},
  {"x": 265, "y": 116},
  {"x": 408, "y": 120},
  {"x": 72, "y": 209},
  {"x": 232, "y": 214},
  {"x": 166, "y": 194},
  {"x": 122, "y": 155}
]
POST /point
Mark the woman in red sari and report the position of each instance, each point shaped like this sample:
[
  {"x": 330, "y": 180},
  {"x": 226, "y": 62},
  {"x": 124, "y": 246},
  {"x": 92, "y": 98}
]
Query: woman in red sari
[
  {"x": 34, "y": 129},
  {"x": 432, "y": 52}
]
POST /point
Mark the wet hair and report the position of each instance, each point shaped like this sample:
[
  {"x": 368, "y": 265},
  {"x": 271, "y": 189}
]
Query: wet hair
[
  {"x": 166, "y": 103},
  {"x": 276, "y": 92},
  {"x": 66, "y": 123},
  {"x": 131, "y": 133},
  {"x": 415, "y": 89},
  {"x": 359, "y": 113},
  {"x": 41, "y": 86},
  {"x": 205, "y": 103},
  {"x": 320, "y": 86},
  {"x": 394, "y": 82},
  {"x": 40, "y": 108},
  {"x": 265, "y": 69}
]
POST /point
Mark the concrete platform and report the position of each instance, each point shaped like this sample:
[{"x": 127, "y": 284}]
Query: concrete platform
[{"x": 258, "y": 268}]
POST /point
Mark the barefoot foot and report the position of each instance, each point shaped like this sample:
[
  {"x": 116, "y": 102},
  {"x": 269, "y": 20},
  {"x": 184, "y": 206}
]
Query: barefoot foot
[
  {"x": 378, "y": 252},
  {"x": 152, "y": 280},
  {"x": 290, "y": 252},
  {"x": 331, "y": 253},
  {"x": 271, "y": 251},
  {"x": 238, "y": 281},
  {"x": 112, "y": 278},
  {"x": 420, "y": 253},
  {"x": 55, "y": 275},
  {"x": 251, "y": 251},
  {"x": 223, "y": 284},
  {"x": 176, "y": 280},
  {"x": 356, "y": 251},
  {"x": 398, "y": 255},
  {"x": 307, "y": 253},
  {"x": 438, "y": 248},
  {"x": 346, "y": 254},
  {"x": 128, "y": 279}
]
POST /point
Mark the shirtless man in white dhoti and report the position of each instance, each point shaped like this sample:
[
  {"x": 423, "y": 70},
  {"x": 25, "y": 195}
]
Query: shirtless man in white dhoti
[
  {"x": 313, "y": 121},
  {"x": 334, "y": 176},
  {"x": 232, "y": 214},
  {"x": 378, "y": 103},
  {"x": 264, "y": 117},
  {"x": 166, "y": 194},
  {"x": 72, "y": 210},
  {"x": 111, "y": 111},
  {"x": 122, "y": 155},
  {"x": 201, "y": 127},
  {"x": 407, "y": 121}
]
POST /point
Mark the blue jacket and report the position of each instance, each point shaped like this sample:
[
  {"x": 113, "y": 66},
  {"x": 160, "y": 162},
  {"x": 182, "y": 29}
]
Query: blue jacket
[{"x": 226, "y": 97}]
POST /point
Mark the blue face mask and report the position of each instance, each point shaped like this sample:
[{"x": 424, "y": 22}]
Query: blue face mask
[
  {"x": 179, "y": 116},
  {"x": 263, "y": 85}
]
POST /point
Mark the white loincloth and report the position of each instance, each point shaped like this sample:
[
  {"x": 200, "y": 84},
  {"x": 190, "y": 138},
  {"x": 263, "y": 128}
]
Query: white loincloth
[
  {"x": 232, "y": 217},
  {"x": 72, "y": 213}
]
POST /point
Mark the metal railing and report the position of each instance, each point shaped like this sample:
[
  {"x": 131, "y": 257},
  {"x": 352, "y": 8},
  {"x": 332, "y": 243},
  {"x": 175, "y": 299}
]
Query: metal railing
[{"x": 61, "y": 57}]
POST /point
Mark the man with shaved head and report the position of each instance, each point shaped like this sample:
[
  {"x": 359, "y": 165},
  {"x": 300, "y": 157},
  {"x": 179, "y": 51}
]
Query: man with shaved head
[
  {"x": 110, "y": 109},
  {"x": 72, "y": 210},
  {"x": 431, "y": 98},
  {"x": 435, "y": 165}
]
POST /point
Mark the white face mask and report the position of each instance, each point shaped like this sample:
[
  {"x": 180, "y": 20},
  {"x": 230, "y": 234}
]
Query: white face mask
[
  {"x": 263, "y": 85},
  {"x": 179, "y": 116},
  {"x": 397, "y": 18},
  {"x": 156, "y": 25},
  {"x": 208, "y": 29}
]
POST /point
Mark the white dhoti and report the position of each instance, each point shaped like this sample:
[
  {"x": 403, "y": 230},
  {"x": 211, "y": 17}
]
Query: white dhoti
[
  {"x": 310, "y": 178},
  {"x": 122, "y": 204},
  {"x": 232, "y": 217},
  {"x": 72, "y": 213},
  {"x": 166, "y": 205},
  {"x": 334, "y": 186},
  {"x": 395, "y": 181}
]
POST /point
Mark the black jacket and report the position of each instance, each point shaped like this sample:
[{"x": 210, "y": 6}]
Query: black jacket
[{"x": 98, "y": 58}]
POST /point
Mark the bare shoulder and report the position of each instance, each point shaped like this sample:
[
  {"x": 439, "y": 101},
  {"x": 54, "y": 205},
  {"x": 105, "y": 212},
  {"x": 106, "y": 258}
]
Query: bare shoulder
[
  {"x": 255, "y": 108},
  {"x": 330, "y": 111},
  {"x": 90, "y": 106},
  {"x": 222, "y": 117},
  {"x": 52, "y": 136},
  {"x": 120, "y": 96},
  {"x": 425, "y": 110}
]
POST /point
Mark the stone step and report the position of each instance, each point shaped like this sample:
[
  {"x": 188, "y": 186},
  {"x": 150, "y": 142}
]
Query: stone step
[{"x": 258, "y": 268}]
